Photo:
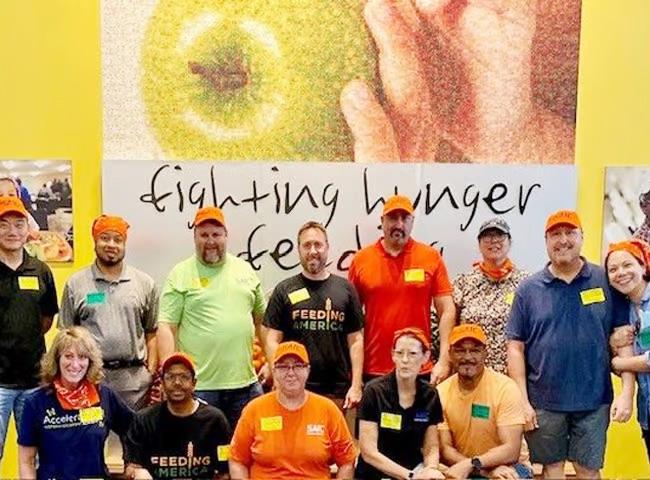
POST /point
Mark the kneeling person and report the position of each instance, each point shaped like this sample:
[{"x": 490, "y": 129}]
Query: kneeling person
[
  {"x": 181, "y": 437},
  {"x": 483, "y": 411}
]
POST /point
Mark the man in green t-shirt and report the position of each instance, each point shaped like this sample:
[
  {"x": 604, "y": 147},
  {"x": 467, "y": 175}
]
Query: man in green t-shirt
[{"x": 210, "y": 307}]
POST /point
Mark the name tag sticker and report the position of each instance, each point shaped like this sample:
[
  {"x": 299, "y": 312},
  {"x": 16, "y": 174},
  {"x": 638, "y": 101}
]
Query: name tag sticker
[
  {"x": 298, "y": 296},
  {"x": 510, "y": 297},
  {"x": 414, "y": 275},
  {"x": 271, "y": 424},
  {"x": 593, "y": 295},
  {"x": 480, "y": 411},
  {"x": 223, "y": 453},
  {"x": 91, "y": 415},
  {"x": 96, "y": 298},
  {"x": 28, "y": 283},
  {"x": 391, "y": 421}
]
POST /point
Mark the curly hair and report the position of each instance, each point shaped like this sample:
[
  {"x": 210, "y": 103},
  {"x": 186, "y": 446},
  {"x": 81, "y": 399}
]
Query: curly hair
[{"x": 79, "y": 339}]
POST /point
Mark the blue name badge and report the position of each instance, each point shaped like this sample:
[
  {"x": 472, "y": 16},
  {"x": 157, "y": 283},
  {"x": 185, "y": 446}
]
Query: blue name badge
[{"x": 421, "y": 416}]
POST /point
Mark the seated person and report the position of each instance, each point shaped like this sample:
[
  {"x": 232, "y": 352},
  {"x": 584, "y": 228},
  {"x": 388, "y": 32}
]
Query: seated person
[
  {"x": 291, "y": 433},
  {"x": 398, "y": 415},
  {"x": 183, "y": 437},
  {"x": 484, "y": 413},
  {"x": 67, "y": 420}
]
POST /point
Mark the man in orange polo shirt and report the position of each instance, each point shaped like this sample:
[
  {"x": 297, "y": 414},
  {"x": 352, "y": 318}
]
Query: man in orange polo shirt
[{"x": 397, "y": 278}]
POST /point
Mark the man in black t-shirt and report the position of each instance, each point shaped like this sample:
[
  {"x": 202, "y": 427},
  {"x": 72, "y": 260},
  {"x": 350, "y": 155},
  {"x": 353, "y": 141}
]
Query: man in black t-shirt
[
  {"x": 182, "y": 437},
  {"x": 322, "y": 311},
  {"x": 28, "y": 303}
]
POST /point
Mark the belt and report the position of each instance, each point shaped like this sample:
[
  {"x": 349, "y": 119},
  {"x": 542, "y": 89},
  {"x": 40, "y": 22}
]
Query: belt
[{"x": 117, "y": 364}]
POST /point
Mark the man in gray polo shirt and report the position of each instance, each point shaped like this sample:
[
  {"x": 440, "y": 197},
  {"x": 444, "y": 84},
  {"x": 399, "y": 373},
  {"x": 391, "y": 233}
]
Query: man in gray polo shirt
[{"x": 119, "y": 305}]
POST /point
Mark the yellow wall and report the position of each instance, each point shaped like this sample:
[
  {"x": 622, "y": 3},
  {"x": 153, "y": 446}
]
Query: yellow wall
[{"x": 50, "y": 107}]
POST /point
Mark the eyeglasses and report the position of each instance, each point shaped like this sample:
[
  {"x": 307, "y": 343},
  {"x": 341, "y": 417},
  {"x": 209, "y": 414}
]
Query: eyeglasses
[
  {"x": 298, "y": 368},
  {"x": 183, "y": 377},
  {"x": 410, "y": 355}
]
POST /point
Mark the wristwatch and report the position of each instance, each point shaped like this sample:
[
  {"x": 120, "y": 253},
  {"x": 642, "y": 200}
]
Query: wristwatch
[{"x": 476, "y": 465}]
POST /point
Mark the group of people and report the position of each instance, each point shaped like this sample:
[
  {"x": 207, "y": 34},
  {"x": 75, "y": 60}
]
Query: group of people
[{"x": 171, "y": 372}]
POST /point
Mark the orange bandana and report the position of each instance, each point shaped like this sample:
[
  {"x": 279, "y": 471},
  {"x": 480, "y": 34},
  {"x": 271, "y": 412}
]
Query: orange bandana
[
  {"x": 635, "y": 247},
  {"x": 84, "y": 396},
  {"x": 108, "y": 223},
  {"x": 498, "y": 273}
]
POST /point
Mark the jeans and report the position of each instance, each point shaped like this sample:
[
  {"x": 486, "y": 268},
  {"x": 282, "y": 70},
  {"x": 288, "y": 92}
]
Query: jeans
[
  {"x": 11, "y": 400},
  {"x": 231, "y": 402}
]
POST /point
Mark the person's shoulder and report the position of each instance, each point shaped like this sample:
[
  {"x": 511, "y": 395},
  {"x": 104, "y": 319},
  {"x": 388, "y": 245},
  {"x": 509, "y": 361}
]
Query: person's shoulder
[
  {"x": 534, "y": 280},
  {"x": 80, "y": 276},
  {"x": 338, "y": 281},
  {"x": 207, "y": 411},
  {"x": 185, "y": 265},
  {"x": 498, "y": 382},
  {"x": 321, "y": 403},
  {"x": 368, "y": 252},
  {"x": 378, "y": 384},
  {"x": 36, "y": 264},
  {"x": 289, "y": 283},
  {"x": 139, "y": 275},
  {"x": 446, "y": 385},
  {"x": 40, "y": 395},
  {"x": 152, "y": 411},
  {"x": 261, "y": 404}
]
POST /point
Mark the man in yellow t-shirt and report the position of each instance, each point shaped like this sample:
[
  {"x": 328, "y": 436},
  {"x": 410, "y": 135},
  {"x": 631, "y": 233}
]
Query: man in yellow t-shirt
[{"x": 483, "y": 413}]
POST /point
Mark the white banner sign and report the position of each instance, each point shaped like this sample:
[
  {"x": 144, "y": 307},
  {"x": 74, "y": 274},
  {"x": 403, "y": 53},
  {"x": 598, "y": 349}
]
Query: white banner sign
[{"x": 266, "y": 203}]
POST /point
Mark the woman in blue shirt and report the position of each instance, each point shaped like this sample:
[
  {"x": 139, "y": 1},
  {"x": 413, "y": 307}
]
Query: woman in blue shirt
[
  {"x": 67, "y": 420},
  {"x": 627, "y": 265}
]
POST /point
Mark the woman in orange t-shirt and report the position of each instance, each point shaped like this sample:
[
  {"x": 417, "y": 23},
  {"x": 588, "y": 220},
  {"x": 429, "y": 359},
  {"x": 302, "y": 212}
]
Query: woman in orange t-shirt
[{"x": 290, "y": 432}]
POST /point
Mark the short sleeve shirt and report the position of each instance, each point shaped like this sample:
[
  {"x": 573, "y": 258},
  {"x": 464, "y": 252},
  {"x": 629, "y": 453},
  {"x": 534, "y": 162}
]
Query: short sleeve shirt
[
  {"x": 486, "y": 302},
  {"x": 26, "y": 294},
  {"x": 397, "y": 293},
  {"x": 474, "y": 418},
  {"x": 117, "y": 313},
  {"x": 168, "y": 446},
  {"x": 70, "y": 443},
  {"x": 277, "y": 443},
  {"x": 565, "y": 328},
  {"x": 319, "y": 314},
  {"x": 213, "y": 308},
  {"x": 401, "y": 430}
]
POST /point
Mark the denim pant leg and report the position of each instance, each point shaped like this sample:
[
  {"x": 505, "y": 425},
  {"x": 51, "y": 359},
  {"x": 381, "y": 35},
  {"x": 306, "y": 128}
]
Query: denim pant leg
[
  {"x": 237, "y": 399},
  {"x": 7, "y": 400}
]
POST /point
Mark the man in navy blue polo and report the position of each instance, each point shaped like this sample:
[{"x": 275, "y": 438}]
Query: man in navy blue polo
[{"x": 558, "y": 332}]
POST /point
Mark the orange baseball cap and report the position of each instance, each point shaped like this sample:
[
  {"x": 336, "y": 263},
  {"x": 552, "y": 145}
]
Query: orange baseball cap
[
  {"x": 465, "y": 331},
  {"x": 109, "y": 223},
  {"x": 563, "y": 217},
  {"x": 12, "y": 205},
  {"x": 291, "y": 348},
  {"x": 207, "y": 214},
  {"x": 176, "y": 358},
  {"x": 635, "y": 247},
  {"x": 398, "y": 202},
  {"x": 412, "y": 332}
]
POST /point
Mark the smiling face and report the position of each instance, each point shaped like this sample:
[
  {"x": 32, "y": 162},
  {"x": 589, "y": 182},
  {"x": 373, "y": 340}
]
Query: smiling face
[
  {"x": 563, "y": 245},
  {"x": 210, "y": 240},
  {"x": 178, "y": 383},
  {"x": 409, "y": 356},
  {"x": 397, "y": 226},
  {"x": 625, "y": 272},
  {"x": 110, "y": 248},
  {"x": 494, "y": 246},
  {"x": 313, "y": 250},
  {"x": 13, "y": 232},
  {"x": 468, "y": 358},
  {"x": 73, "y": 367}
]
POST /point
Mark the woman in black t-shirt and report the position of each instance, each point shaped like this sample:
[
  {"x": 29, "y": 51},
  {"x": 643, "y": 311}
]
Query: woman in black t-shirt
[{"x": 398, "y": 415}]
